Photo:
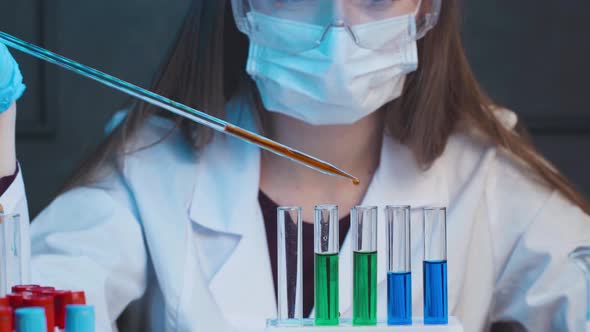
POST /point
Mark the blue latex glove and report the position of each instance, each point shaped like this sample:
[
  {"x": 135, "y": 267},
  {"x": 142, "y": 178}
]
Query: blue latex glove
[{"x": 11, "y": 80}]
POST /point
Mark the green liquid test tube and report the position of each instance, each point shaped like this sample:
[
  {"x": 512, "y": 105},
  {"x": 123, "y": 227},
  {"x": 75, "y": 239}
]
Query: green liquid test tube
[
  {"x": 364, "y": 239},
  {"x": 365, "y": 290},
  {"x": 326, "y": 247}
]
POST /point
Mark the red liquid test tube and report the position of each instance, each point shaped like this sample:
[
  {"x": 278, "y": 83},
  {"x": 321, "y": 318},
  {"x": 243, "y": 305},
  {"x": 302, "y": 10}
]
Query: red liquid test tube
[
  {"x": 45, "y": 302},
  {"x": 6, "y": 322}
]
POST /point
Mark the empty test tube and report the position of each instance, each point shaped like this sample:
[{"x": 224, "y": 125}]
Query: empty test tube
[
  {"x": 435, "y": 266},
  {"x": 399, "y": 277},
  {"x": 326, "y": 248},
  {"x": 364, "y": 245},
  {"x": 14, "y": 252},
  {"x": 289, "y": 265}
]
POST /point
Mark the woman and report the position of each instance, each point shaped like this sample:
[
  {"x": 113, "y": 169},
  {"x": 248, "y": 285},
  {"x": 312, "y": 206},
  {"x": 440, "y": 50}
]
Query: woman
[{"x": 172, "y": 214}]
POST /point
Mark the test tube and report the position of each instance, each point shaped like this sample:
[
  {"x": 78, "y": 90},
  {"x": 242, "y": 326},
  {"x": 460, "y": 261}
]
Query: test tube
[
  {"x": 399, "y": 277},
  {"x": 435, "y": 266},
  {"x": 326, "y": 248},
  {"x": 14, "y": 256},
  {"x": 364, "y": 245},
  {"x": 289, "y": 266}
]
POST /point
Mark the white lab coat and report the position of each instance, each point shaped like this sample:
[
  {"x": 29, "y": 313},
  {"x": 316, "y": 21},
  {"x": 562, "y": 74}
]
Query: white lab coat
[{"x": 185, "y": 231}]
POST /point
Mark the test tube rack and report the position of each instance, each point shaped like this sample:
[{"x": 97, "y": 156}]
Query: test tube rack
[{"x": 307, "y": 325}]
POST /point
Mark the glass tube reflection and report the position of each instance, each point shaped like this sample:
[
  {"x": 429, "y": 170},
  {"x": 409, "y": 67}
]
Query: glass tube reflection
[
  {"x": 435, "y": 266},
  {"x": 399, "y": 277},
  {"x": 289, "y": 265},
  {"x": 13, "y": 254},
  {"x": 364, "y": 245},
  {"x": 326, "y": 247}
]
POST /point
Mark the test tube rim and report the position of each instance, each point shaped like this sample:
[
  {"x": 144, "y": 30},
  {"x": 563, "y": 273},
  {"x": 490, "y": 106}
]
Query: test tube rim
[
  {"x": 435, "y": 208},
  {"x": 331, "y": 208},
  {"x": 289, "y": 208},
  {"x": 366, "y": 207},
  {"x": 10, "y": 215},
  {"x": 398, "y": 207},
  {"x": 325, "y": 207},
  {"x": 445, "y": 216},
  {"x": 408, "y": 209},
  {"x": 354, "y": 218}
]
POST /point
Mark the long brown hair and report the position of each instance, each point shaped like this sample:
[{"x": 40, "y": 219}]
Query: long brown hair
[{"x": 205, "y": 67}]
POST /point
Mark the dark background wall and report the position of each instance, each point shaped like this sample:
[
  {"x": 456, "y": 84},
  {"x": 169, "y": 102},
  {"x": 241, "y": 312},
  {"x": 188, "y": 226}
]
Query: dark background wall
[{"x": 531, "y": 56}]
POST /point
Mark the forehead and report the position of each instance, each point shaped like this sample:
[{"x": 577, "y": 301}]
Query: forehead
[{"x": 271, "y": 6}]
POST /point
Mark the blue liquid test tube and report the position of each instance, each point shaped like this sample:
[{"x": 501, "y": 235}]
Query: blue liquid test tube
[
  {"x": 289, "y": 266},
  {"x": 435, "y": 266},
  {"x": 399, "y": 277}
]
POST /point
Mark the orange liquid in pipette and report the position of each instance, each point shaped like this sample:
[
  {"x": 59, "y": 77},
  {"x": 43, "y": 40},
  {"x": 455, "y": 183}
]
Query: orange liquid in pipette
[{"x": 270, "y": 145}]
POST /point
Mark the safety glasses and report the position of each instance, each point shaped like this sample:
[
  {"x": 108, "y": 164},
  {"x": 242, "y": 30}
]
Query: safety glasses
[{"x": 301, "y": 25}]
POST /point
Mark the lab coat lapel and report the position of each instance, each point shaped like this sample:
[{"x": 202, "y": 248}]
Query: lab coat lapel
[
  {"x": 397, "y": 181},
  {"x": 231, "y": 238},
  {"x": 162, "y": 204}
]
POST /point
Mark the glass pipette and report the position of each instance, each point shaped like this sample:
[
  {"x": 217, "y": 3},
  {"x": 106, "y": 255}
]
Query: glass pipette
[{"x": 175, "y": 107}]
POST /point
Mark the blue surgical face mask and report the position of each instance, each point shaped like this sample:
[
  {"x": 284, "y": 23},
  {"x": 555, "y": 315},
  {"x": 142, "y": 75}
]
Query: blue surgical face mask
[{"x": 337, "y": 82}]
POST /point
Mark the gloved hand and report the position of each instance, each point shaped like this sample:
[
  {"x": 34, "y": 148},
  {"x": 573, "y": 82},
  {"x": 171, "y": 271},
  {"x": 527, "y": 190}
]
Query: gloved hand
[{"x": 11, "y": 79}]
